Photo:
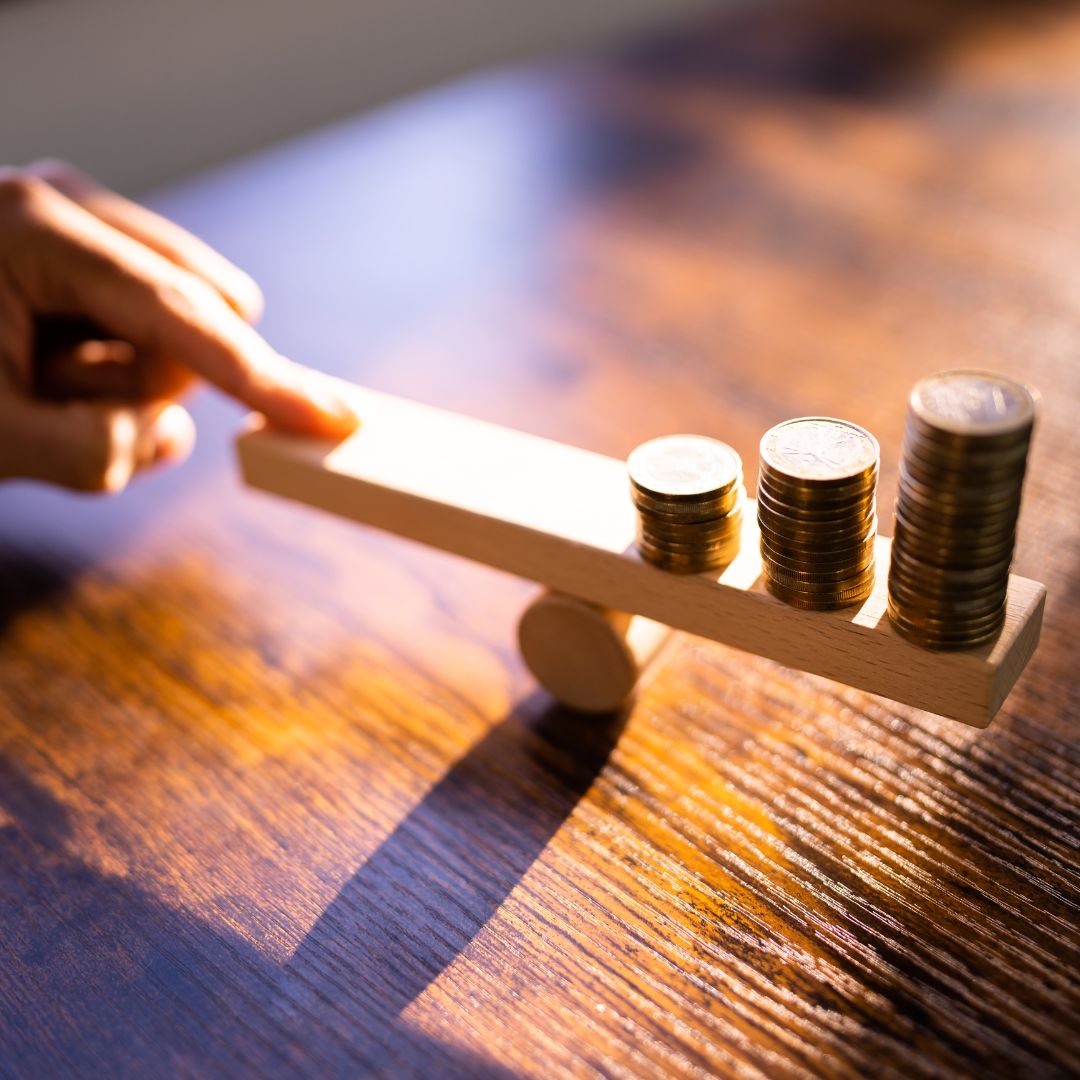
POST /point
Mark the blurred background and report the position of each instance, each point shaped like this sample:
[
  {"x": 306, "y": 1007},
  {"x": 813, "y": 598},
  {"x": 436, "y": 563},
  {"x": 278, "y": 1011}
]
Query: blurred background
[{"x": 141, "y": 92}]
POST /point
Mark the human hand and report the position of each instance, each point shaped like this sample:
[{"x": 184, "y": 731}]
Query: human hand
[{"x": 108, "y": 313}]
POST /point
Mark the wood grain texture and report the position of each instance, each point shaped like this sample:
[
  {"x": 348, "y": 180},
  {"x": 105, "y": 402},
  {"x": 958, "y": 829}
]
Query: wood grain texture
[
  {"x": 276, "y": 795},
  {"x": 562, "y": 516}
]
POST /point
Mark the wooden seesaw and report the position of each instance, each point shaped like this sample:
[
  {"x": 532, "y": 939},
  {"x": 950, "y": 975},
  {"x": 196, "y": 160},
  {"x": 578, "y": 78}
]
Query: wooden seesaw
[{"x": 562, "y": 516}]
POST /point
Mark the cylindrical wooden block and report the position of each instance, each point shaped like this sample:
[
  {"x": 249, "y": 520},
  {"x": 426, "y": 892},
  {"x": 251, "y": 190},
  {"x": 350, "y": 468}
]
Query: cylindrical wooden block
[{"x": 585, "y": 657}]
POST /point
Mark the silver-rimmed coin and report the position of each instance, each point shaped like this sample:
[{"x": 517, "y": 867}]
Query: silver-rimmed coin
[
  {"x": 684, "y": 467},
  {"x": 819, "y": 450},
  {"x": 975, "y": 404}
]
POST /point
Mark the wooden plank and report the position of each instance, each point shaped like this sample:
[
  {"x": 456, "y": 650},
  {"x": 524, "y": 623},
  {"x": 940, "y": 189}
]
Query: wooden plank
[{"x": 562, "y": 516}]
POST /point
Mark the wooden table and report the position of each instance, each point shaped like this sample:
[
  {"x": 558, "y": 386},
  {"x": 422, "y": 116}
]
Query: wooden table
[{"x": 276, "y": 794}]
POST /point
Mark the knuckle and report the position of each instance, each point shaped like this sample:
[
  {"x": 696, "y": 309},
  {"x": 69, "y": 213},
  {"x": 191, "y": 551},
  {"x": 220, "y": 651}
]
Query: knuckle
[
  {"x": 54, "y": 171},
  {"x": 21, "y": 194},
  {"x": 106, "y": 441},
  {"x": 187, "y": 296}
]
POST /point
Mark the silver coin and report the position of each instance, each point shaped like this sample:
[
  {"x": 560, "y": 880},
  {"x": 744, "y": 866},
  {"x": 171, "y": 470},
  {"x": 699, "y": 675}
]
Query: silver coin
[
  {"x": 819, "y": 449},
  {"x": 684, "y": 467},
  {"x": 973, "y": 403}
]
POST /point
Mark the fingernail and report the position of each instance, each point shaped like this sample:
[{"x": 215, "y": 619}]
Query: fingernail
[
  {"x": 337, "y": 409},
  {"x": 332, "y": 406},
  {"x": 318, "y": 391}
]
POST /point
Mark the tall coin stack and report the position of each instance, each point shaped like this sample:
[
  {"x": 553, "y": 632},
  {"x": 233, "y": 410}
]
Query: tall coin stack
[
  {"x": 961, "y": 471},
  {"x": 689, "y": 494},
  {"x": 816, "y": 512}
]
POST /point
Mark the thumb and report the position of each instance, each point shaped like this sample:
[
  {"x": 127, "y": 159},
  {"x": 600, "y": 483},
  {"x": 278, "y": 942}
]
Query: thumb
[{"x": 89, "y": 446}]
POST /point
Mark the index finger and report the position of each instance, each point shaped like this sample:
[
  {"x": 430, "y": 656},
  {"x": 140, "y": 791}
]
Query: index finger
[
  {"x": 71, "y": 261},
  {"x": 156, "y": 232}
]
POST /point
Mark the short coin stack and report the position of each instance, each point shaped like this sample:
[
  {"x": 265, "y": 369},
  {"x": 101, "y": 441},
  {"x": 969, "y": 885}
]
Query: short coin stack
[
  {"x": 961, "y": 471},
  {"x": 816, "y": 512},
  {"x": 688, "y": 490}
]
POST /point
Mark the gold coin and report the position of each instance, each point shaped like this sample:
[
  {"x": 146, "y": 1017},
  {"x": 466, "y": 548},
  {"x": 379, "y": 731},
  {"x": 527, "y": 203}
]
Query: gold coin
[
  {"x": 948, "y": 624},
  {"x": 915, "y": 595},
  {"x": 822, "y": 601},
  {"x": 958, "y": 453},
  {"x": 979, "y": 404},
  {"x": 989, "y": 503},
  {"x": 970, "y": 574},
  {"x": 681, "y": 468},
  {"x": 727, "y": 529},
  {"x": 970, "y": 545},
  {"x": 679, "y": 513},
  {"x": 803, "y": 495},
  {"x": 962, "y": 470},
  {"x": 854, "y": 577},
  {"x": 828, "y": 560},
  {"x": 797, "y": 578},
  {"x": 946, "y": 559},
  {"x": 935, "y": 636},
  {"x": 954, "y": 530},
  {"x": 686, "y": 564},
  {"x": 919, "y": 586},
  {"x": 812, "y": 512},
  {"x": 819, "y": 450},
  {"x": 817, "y": 535},
  {"x": 728, "y": 549}
]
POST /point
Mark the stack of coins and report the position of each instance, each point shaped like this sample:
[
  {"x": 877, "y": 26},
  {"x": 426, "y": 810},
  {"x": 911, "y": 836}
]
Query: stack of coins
[
  {"x": 961, "y": 471},
  {"x": 816, "y": 512},
  {"x": 689, "y": 494}
]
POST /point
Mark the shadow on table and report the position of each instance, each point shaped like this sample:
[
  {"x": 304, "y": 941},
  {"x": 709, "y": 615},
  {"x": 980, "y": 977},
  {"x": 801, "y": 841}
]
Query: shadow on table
[
  {"x": 102, "y": 978},
  {"x": 28, "y": 583}
]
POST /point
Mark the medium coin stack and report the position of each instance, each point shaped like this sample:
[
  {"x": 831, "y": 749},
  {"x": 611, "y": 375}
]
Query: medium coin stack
[
  {"x": 816, "y": 512},
  {"x": 689, "y": 494},
  {"x": 961, "y": 471}
]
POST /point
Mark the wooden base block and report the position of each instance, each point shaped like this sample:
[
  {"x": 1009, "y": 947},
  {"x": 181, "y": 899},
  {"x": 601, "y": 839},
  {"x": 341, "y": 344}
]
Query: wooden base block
[
  {"x": 585, "y": 657},
  {"x": 562, "y": 516}
]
